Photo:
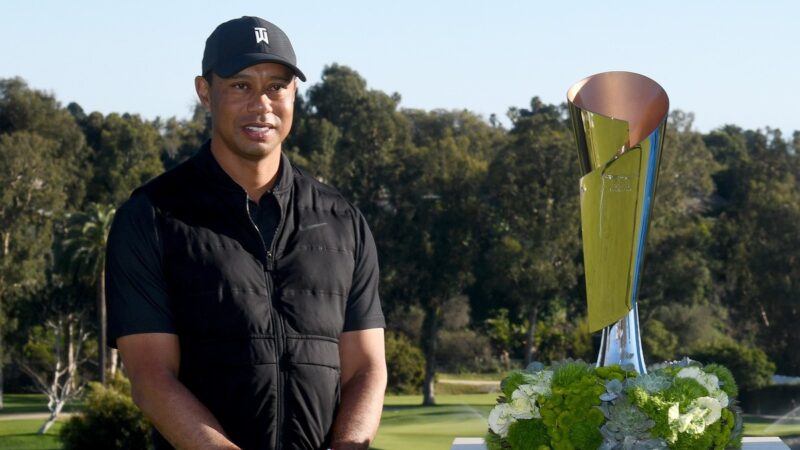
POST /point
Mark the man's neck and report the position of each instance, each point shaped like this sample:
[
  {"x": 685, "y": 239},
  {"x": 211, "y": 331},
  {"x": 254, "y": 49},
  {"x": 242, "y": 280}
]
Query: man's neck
[{"x": 256, "y": 177}]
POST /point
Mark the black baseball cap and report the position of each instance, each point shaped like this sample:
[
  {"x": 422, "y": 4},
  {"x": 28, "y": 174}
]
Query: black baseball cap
[{"x": 240, "y": 43}]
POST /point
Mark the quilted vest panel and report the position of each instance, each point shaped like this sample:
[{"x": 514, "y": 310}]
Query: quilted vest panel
[{"x": 258, "y": 322}]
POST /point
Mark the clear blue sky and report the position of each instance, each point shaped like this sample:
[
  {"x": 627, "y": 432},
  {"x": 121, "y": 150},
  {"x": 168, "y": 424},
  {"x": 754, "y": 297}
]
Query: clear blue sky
[{"x": 726, "y": 61}]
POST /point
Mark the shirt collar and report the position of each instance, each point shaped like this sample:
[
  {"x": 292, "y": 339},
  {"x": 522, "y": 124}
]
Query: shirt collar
[{"x": 213, "y": 171}]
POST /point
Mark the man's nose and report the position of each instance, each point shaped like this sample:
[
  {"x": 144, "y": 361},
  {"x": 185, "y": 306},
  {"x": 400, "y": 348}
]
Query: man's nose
[{"x": 261, "y": 103}]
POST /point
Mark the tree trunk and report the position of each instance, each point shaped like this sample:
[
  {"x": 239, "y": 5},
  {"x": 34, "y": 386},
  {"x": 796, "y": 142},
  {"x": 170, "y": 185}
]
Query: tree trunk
[
  {"x": 52, "y": 418},
  {"x": 113, "y": 361},
  {"x": 533, "y": 316},
  {"x": 6, "y": 244},
  {"x": 2, "y": 351},
  {"x": 101, "y": 323},
  {"x": 2, "y": 355},
  {"x": 430, "y": 337}
]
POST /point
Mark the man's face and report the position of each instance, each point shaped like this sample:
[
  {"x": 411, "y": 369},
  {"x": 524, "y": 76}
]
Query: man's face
[{"x": 251, "y": 111}]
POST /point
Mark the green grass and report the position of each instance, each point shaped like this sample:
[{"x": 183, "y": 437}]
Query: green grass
[
  {"x": 393, "y": 401},
  {"x": 466, "y": 389},
  {"x": 406, "y": 425},
  {"x": 23, "y": 403},
  {"x": 21, "y": 435},
  {"x": 471, "y": 376},
  {"x": 30, "y": 403},
  {"x": 760, "y": 426}
]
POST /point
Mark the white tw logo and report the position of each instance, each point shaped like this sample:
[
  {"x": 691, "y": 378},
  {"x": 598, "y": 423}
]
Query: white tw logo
[{"x": 261, "y": 35}]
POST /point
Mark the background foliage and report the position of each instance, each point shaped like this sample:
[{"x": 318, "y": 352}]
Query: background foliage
[{"x": 477, "y": 226}]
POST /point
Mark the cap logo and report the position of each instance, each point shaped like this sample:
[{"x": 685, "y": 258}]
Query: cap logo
[{"x": 261, "y": 35}]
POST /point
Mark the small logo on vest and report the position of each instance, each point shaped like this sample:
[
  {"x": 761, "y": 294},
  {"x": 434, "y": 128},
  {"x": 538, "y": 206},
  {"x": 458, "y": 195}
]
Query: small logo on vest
[
  {"x": 304, "y": 227},
  {"x": 261, "y": 35}
]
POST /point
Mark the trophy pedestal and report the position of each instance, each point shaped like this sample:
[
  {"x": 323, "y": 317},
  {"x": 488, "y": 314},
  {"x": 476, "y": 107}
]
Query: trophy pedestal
[{"x": 748, "y": 443}]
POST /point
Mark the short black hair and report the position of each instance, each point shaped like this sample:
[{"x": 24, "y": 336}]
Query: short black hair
[{"x": 209, "y": 76}]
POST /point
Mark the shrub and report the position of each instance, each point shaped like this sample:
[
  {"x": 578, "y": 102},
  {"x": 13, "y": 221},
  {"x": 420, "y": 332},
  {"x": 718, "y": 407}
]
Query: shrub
[
  {"x": 560, "y": 337},
  {"x": 750, "y": 366},
  {"x": 406, "y": 321},
  {"x": 465, "y": 351},
  {"x": 659, "y": 343},
  {"x": 405, "y": 364},
  {"x": 111, "y": 421}
]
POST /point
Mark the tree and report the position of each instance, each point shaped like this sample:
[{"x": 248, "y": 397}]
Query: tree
[
  {"x": 531, "y": 198},
  {"x": 461, "y": 349},
  {"x": 313, "y": 141},
  {"x": 757, "y": 241},
  {"x": 39, "y": 113},
  {"x": 84, "y": 247},
  {"x": 677, "y": 279},
  {"x": 181, "y": 139},
  {"x": 42, "y": 165},
  {"x": 433, "y": 208},
  {"x": 126, "y": 154},
  {"x": 32, "y": 195},
  {"x": 506, "y": 334},
  {"x": 365, "y": 131},
  {"x": 55, "y": 351},
  {"x": 763, "y": 268}
]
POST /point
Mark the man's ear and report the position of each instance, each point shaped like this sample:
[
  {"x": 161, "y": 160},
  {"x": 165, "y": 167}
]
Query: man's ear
[
  {"x": 296, "y": 85},
  {"x": 203, "y": 92}
]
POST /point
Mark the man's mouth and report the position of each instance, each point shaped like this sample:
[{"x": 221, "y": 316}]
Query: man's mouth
[{"x": 258, "y": 131}]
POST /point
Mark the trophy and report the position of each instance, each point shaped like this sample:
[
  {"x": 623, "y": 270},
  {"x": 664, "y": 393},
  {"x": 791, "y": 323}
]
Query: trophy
[{"x": 619, "y": 120}]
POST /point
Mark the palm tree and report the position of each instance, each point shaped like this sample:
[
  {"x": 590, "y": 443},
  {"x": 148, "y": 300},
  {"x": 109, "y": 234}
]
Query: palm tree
[{"x": 84, "y": 248}]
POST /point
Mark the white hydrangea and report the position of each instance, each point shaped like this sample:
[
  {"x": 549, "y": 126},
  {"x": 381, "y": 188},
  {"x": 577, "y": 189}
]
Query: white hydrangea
[
  {"x": 523, "y": 402},
  {"x": 500, "y": 419},
  {"x": 708, "y": 381},
  {"x": 540, "y": 382},
  {"x": 702, "y": 412},
  {"x": 722, "y": 398},
  {"x": 710, "y": 408}
]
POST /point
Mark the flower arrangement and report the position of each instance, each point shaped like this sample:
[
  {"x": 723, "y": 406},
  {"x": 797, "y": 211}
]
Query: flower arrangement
[{"x": 574, "y": 405}]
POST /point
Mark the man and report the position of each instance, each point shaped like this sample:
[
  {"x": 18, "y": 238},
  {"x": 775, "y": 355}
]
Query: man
[{"x": 242, "y": 293}]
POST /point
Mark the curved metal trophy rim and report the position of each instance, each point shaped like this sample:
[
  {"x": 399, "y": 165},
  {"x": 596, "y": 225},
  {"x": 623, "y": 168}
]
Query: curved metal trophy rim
[{"x": 627, "y": 96}]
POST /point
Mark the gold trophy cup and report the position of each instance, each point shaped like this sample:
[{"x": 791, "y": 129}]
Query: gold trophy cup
[{"x": 619, "y": 120}]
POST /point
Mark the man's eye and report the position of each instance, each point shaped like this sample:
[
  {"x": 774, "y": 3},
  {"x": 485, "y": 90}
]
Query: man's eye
[
  {"x": 277, "y": 87},
  {"x": 240, "y": 86}
]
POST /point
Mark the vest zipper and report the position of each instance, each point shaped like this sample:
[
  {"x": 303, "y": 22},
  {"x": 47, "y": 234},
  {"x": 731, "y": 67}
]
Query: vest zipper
[{"x": 277, "y": 323}]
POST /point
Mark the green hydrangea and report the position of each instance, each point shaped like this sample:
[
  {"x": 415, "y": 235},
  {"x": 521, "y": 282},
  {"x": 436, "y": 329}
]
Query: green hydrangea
[
  {"x": 528, "y": 434},
  {"x": 725, "y": 377},
  {"x": 493, "y": 441},
  {"x": 512, "y": 382},
  {"x": 575, "y": 406},
  {"x": 568, "y": 373},
  {"x": 570, "y": 413}
]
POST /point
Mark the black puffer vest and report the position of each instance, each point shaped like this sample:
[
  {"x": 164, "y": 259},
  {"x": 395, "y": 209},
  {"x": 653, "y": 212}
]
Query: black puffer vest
[{"x": 258, "y": 322}]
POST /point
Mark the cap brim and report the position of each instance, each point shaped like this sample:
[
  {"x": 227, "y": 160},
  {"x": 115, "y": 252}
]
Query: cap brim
[{"x": 241, "y": 62}]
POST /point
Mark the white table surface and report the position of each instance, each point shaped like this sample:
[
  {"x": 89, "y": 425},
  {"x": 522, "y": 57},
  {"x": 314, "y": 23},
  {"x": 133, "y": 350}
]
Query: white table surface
[{"x": 748, "y": 443}]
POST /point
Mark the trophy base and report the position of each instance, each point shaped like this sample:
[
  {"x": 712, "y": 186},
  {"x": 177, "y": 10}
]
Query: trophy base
[{"x": 622, "y": 344}]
